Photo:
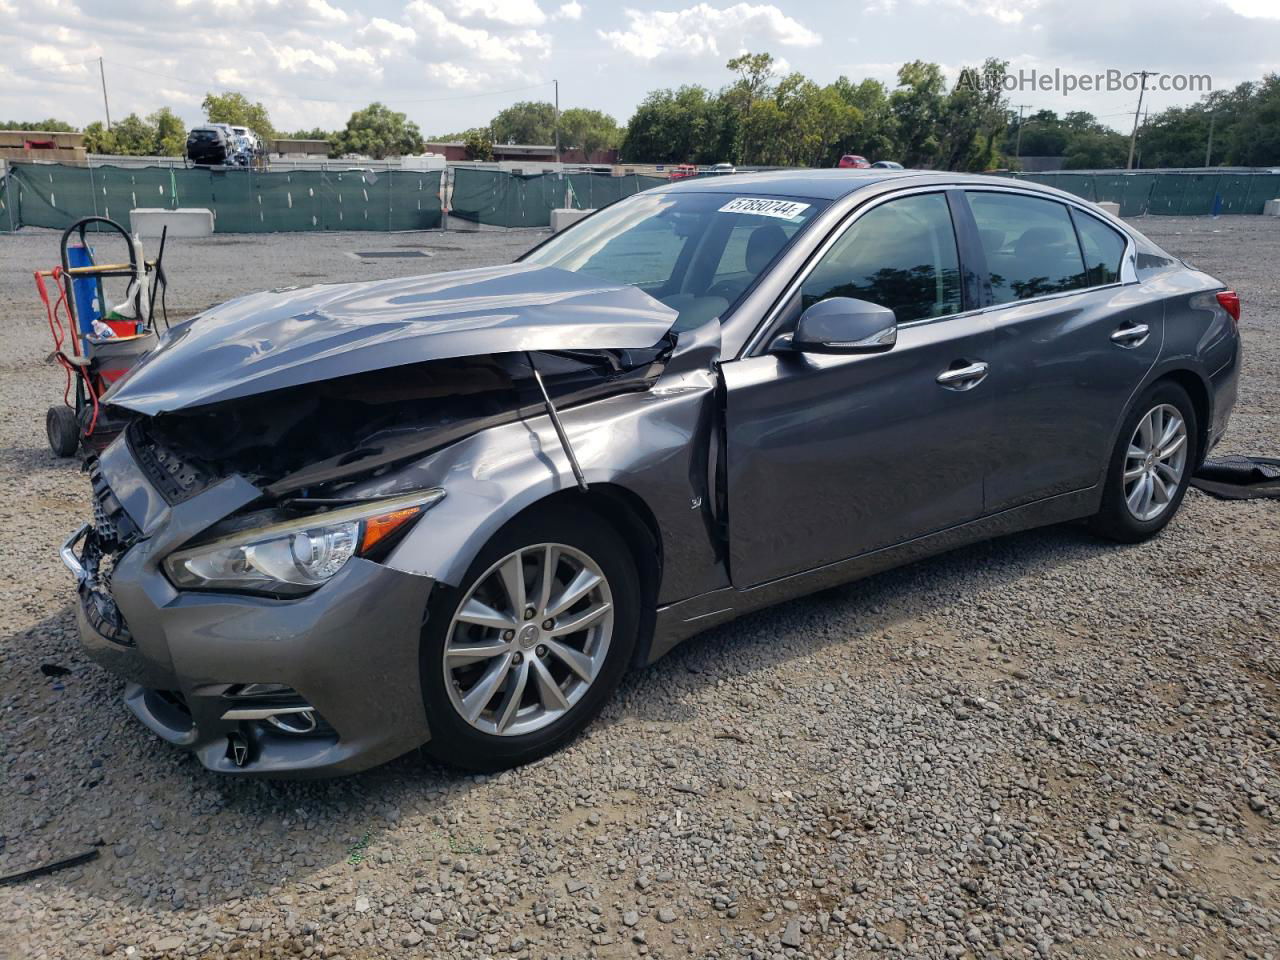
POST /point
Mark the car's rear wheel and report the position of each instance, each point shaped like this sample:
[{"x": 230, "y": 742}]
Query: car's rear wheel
[
  {"x": 1151, "y": 466},
  {"x": 517, "y": 660}
]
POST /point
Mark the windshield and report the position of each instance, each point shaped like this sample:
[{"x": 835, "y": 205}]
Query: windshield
[{"x": 696, "y": 252}]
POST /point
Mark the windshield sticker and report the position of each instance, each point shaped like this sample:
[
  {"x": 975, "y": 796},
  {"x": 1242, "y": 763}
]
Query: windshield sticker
[{"x": 782, "y": 209}]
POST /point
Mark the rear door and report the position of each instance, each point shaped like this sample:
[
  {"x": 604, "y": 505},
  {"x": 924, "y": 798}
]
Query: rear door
[
  {"x": 831, "y": 456},
  {"x": 1074, "y": 336}
]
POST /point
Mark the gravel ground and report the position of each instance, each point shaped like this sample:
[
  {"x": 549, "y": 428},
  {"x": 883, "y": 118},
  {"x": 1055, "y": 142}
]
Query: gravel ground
[{"x": 1041, "y": 745}]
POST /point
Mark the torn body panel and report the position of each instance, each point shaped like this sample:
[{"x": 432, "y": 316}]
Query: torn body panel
[
  {"x": 653, "y": 444},
  {"x": 311, "y": 442}
]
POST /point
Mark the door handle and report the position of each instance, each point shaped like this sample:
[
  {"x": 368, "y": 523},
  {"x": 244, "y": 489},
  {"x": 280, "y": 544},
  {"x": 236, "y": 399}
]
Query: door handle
[
  {"x": 963, "y": 378},
  {"x": 1133, "y": 335}
]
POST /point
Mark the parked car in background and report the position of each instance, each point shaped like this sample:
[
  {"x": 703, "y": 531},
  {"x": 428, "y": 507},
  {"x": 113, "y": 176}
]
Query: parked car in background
[
  {"x": 853, "y": 161},
  {"x": 209, "y": 146},
  {"x": 723, "y": 168},
  {"x": 886, "y": 165},
  {"x": 247, "y": 146},
  {"x": 683, "y": 171},
  {"x": 348, "y": 519}
]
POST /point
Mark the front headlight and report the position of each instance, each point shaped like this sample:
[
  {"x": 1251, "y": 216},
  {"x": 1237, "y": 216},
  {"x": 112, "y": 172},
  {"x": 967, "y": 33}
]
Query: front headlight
[{"x": 297, "y": 556}]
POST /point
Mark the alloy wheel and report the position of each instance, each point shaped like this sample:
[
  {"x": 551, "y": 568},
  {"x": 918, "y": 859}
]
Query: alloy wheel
[
  {"x": 528, "y": 639},
  {"x": 1155, "y": 462}
]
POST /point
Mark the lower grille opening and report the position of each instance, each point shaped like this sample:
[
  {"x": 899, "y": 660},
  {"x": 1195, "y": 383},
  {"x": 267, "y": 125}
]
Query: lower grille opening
[
  {"x": 170, "y": 708},
  {"x": 279, "y": 708}
]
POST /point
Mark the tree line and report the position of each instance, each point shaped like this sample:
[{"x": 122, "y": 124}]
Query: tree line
[{"x": 764, "y": 118}]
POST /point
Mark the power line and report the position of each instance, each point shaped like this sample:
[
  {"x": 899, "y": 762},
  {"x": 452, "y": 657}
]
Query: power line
[{"x": 55, "y": 69}]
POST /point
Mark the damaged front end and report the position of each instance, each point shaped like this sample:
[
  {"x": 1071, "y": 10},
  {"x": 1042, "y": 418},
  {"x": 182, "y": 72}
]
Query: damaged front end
[
  {"x": 91, "y": 553},
  {"x": 258, "y": 518},
  {"x": 304, "y": 446}
]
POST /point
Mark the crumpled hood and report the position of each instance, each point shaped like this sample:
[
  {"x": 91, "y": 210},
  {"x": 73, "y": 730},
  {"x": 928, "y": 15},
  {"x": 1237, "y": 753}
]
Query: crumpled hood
[{"x": 286, "y": 338}]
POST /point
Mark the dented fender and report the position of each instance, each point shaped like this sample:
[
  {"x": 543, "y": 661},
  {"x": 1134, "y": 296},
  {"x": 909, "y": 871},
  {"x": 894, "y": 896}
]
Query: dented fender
[{"x": 652, "y": 444}]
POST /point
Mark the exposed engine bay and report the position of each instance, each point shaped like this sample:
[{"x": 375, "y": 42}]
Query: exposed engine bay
[{"x": 306, "y": 443}]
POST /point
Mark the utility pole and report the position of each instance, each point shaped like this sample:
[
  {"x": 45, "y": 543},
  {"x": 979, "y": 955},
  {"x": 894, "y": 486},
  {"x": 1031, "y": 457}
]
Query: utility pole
[
  {"x": 1133, "y": 140},
  {"x": 102, "y": 72},
  {"x": 1208, "y": 147},
  {"x": 1017, "y": 149},
  {"x": 557, "y": 83}
]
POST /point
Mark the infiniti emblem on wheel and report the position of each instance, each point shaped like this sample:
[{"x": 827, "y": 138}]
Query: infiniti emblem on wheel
[{"x": 529, "y": 636}]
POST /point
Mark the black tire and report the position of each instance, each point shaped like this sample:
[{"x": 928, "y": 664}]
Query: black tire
[
  {"x": 453, "y": 739},
  {"x": 63, "y": 430},
  {"x": 1114, "y": 520}
]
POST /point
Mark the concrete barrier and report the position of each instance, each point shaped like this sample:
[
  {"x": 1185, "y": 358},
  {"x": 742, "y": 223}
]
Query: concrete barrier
[
  {"x": 184, "y": 222},
  {"x": 1271, "y": 208},
  {"x": 566, "y": 217},
  {"x": 1111, "y": 208}
]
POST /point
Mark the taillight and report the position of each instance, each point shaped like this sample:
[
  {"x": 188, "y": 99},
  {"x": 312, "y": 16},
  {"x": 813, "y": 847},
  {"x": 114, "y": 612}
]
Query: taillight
[{"x": 1230, "y": 301}]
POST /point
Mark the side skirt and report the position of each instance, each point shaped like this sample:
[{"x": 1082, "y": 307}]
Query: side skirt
[{"x": 677, "y": 622}]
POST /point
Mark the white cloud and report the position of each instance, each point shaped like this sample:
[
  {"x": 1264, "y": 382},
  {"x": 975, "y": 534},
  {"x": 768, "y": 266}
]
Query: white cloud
[
  {"x": 455, "y": 76},
  {"x": 704, "y": 30},
  {"x": 1004, "y": 11},
  {"x": 504, "y": 13},
  {"x": 328, "y": 59},
  {"x": 46, "y": 57},
  {"x": 387, "y": 30},
  {"x": 438, "y": 33},
  {"x": 1255, "y": 8},
  {"x": 570, "y": 11}
]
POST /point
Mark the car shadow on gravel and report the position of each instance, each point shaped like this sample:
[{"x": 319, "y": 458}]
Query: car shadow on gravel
[
  {"x": 847, "y": 614},
  {"x": 83, "y": 772}
]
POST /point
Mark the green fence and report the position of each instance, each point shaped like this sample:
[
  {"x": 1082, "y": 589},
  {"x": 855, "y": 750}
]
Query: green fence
[
  {"x": 8, "y": 216},
  {"x": 502, "y": 199},
  {"x": 1167, "y": 193},
  {"x": 242, "y": 201}
]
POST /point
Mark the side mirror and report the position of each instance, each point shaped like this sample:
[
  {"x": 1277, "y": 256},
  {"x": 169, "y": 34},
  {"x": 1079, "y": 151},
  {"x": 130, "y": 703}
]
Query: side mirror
[{"x": 845, "y": 325}]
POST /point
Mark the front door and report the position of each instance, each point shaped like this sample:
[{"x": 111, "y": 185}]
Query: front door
[{"x": 831, "y": 456}]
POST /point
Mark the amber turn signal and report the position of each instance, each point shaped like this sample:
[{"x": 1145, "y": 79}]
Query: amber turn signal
[{"x": 377, "y": 529}]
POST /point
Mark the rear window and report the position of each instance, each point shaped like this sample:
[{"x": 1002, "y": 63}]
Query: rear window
[
  {"x": 1030, "y": 245},
  {"x": 1103, "y": 249},
  {"x": 203, "y": 135}
]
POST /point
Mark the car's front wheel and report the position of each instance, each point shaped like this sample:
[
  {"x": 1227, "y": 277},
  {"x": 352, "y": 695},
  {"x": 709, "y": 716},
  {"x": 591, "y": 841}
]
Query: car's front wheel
[
  {"x": 1151, "y": 466},
  {"x": 517, "y": 660}
]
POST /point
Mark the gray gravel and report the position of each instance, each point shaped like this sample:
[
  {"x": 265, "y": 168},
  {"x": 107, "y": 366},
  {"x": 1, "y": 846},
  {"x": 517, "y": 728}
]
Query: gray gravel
[{"x": 1041, "y": 745}]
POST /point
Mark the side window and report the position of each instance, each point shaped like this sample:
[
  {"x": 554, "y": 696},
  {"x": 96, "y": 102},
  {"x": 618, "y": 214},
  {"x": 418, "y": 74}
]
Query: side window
[
  {"x": 1030, "y": 245},
  {"x": 1103, "y": 249},
  {"x": 901, "y": 255}
]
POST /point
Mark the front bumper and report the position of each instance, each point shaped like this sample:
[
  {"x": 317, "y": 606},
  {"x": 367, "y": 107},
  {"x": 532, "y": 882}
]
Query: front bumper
[{"x": 349, "y": 650}]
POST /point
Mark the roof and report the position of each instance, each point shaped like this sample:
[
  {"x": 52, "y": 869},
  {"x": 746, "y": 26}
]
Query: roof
[{"x": 815, "y": 184}]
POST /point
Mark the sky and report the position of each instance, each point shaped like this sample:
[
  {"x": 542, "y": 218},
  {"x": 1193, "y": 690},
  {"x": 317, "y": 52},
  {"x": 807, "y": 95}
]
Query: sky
[{"x": 453, "y": 64}]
